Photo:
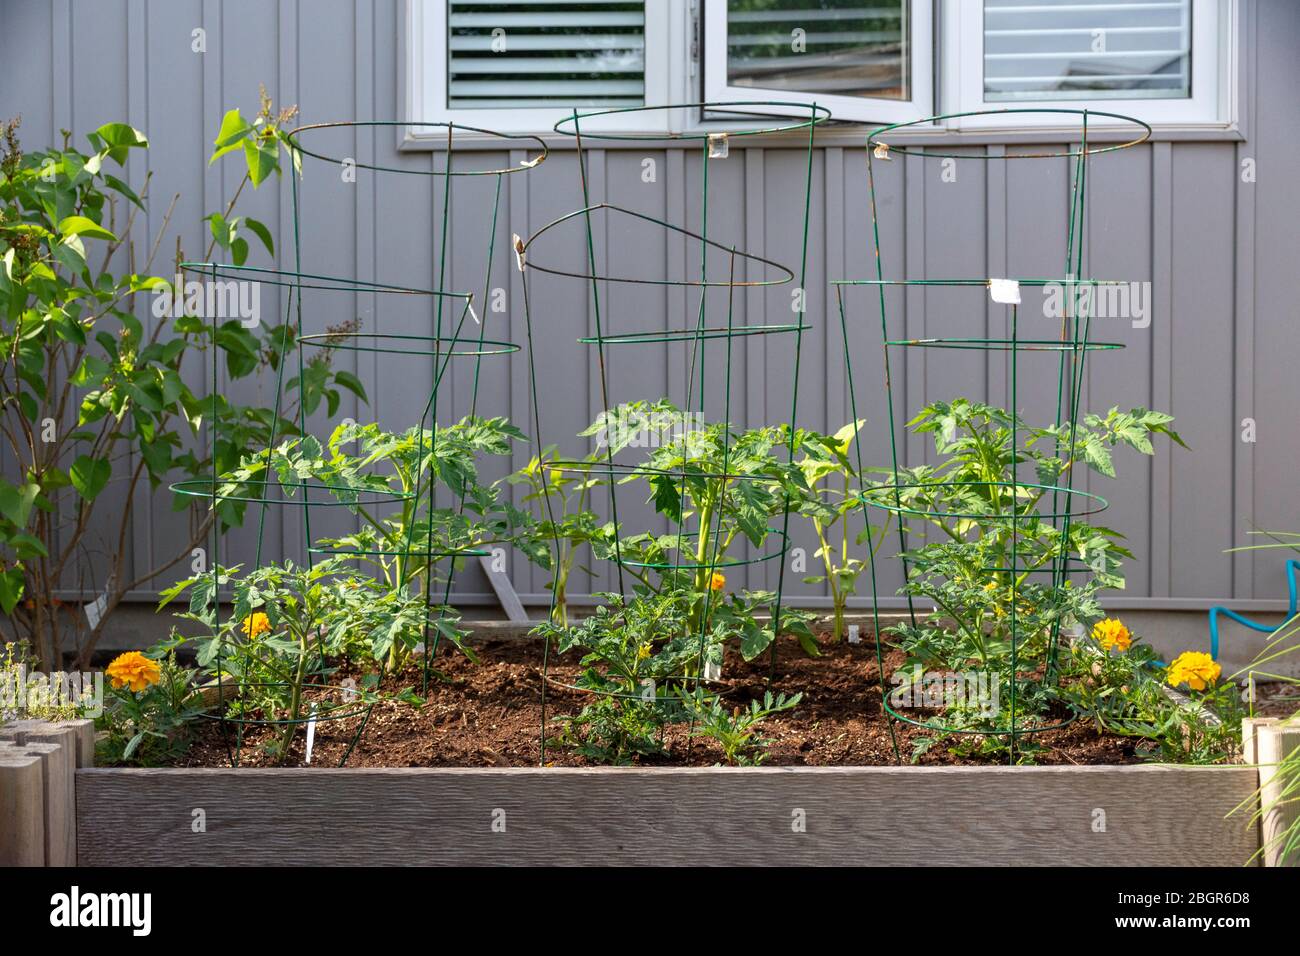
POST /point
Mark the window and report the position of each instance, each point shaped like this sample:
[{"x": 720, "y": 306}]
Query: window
[
  {"x": 1165, "y": 61},
  {"x": 522, "y": 65},
  {"x": 862, "y": 59}
]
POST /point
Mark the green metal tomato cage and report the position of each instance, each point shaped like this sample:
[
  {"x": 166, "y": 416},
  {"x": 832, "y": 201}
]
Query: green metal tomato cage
[
  {"x": 1072, "y": 347},
  {"x": 696, "y": 335},
  {"x": 457, "y": 331}
]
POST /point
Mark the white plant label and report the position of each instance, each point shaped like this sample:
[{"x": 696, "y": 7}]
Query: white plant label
[
  {"x": 95, "y": 611},
  {"x": 1006, "y": 291},
  {"x": 855, "y": 636},
  {"x": 311, "y": 732},
  {"x": 713, "y": 670},
  {"x": 719, "y": 146}
]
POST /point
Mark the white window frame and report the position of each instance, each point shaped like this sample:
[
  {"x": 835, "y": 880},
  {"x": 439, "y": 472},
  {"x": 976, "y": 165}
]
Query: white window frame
[
  {"x": 687, "y": 37},
  {"x": 426, "y": 78},
  {"x": 1213, "y": 69},
  {"x": 862, "y": 109}
]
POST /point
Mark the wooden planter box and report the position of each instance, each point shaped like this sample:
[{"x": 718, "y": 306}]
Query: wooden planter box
[{"x": 879, "y": 816}]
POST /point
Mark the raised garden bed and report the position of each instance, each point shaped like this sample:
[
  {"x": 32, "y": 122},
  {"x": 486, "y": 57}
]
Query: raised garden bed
[
  {"x": 1131, "y": 815},
  {"x": 876, "y": 816}
]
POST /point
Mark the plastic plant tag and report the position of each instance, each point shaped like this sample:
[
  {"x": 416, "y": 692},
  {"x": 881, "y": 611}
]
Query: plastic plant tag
[
  {"x": 713, "y": 670},
  {"x": 855, "y": 637},
  {"x": 648, "y": 690},
  {"x": 719, "y": 146},
  {"x": 881, "y": 151},
  {"x": 311, "y": 732},
  {"x": 1006, "y": 291},
  {"x": 95, "y": 610}
]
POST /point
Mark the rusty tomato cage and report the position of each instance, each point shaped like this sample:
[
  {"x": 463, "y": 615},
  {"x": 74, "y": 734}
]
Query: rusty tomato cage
[
  {"x": 310, "y": 297},
  {"x": 1000, "y": 508}
]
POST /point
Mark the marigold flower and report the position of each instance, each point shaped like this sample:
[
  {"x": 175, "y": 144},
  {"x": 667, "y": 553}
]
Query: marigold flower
[
  {"x": 1196, "y": 669},
  {"x": 135, "y": 670},
  {"x": 255, "y": 624},
  {"x": 1112, "y": 634},
  {"x": 718, "y": 581}
]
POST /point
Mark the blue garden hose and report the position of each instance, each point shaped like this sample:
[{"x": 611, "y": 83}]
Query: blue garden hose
[{"x": 1292, "y": 566}]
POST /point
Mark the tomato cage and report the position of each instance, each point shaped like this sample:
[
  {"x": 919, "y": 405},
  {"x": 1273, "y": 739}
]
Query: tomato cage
[
  {"x": 1008, "y": 511},
  {"x": 709, "y": 301},
  {"x": 318, "y": 510}
]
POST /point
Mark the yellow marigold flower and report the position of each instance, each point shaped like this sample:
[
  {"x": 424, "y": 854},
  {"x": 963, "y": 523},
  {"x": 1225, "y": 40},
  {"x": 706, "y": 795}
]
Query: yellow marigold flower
[
  {"x": 643, "y": 652},
  {"x": 255, "y": 624},
  {"x": 1112, "y": 634},
  {"x": 135, "y": 670},
  {"x": 1196, "y": 669},
  {"x": 718, "y": 581}
]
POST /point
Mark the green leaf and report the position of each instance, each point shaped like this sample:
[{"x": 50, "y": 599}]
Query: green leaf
[
  {"x": 233, "y": 131},
  {"x": 117, "y": 138},
  {"x": 262, "y": 158},
  {"x": 11, "y": 589},
  {"x": 352, "y": 384},
  {"x": 259, "y": 229},
  {"x": 90, "y": 475},
  {"x": 81, "y": 226},
  {"x": 16, "y": 501}
]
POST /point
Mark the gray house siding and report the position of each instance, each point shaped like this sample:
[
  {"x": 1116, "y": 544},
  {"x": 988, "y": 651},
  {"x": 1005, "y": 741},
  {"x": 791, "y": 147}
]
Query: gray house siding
[{"x": 1220, "y": 253}]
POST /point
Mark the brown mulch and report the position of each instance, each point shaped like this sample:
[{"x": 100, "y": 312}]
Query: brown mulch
[{"x": 490, "y": 715}]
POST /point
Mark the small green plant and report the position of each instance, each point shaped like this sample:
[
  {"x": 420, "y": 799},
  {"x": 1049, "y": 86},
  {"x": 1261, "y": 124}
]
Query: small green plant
[
  {"x": 734, "y": 729},
  {"x": 719, "y": 488},
  {"x": 1182, "y": 712},
  {"x": 569, "y": 531},
  {"x": 149, "y": 709},
  {"x": 389, "y": 483},
  {"x": 633, "y": 653},
  {"x": 641, "y": 661},
  {"x": 828, "y": 471},
  {"x": 999, "y": 598},
  {"x": 290, "y": 622}
]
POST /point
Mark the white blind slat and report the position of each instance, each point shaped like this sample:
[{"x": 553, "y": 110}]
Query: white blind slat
[{"x": 514, "y": 54}]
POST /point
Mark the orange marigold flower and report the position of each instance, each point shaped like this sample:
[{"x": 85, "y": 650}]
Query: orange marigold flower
[
  {"x": 255, "y": 624},
  {"x": 1112, "y": 634},
  {"x": 718, "y": 581},
  {"x": 1196, "y": 669},
  {"x": 135, "y": 670}
]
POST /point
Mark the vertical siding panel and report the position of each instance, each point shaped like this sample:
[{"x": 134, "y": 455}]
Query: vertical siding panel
[
  {"x": 1162, "y": 358},
  {"x": 1275, "y": 356},
  {"x": 1118, "y": 236},
  {"x": 172, "y": 74},
  {"x": 1244, "y": 564},
  {"x": 996, "y": 317},
  {"x": 30, "y": 34},
  {"x": 137, "y": 90},
  {"x": 1202, "y": 388}
]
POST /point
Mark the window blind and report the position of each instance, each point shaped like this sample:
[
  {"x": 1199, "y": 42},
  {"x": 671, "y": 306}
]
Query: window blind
[
  {"x": 1087, "y": 49},
  {"x": 540, "y": 53},
  {"x": 838, "y": 47}
]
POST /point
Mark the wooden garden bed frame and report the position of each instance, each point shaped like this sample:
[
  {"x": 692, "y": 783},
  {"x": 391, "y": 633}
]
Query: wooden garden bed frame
[{"x": 879, "y": 816}]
